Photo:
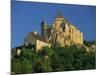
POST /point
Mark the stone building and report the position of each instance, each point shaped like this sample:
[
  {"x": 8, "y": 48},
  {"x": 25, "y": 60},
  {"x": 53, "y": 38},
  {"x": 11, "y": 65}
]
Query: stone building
[
  {"x": 34, "y": 39},
  {"x": 61, "y": 32}
]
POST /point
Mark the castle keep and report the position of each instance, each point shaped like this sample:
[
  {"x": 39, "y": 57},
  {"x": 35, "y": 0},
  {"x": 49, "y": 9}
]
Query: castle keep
[{"x": 61, "y": 32}]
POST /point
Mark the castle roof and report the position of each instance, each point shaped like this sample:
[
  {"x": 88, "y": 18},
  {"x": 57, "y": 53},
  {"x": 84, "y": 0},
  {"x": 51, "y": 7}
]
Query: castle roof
[
  {"x": 37, "y": 37},
  {"x": 59, "y": 15}
]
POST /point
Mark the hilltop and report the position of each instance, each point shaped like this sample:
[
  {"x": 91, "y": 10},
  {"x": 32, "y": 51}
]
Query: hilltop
[{"x": 60, "y": 47}]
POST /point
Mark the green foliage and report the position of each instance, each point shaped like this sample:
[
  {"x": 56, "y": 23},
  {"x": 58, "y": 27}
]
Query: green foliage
[
  {"x": 19, "y": 66},
  {"x": 46, "y": 65},
  {"x": 89, "y": 43},
  {"x": 51, "y": 59}
]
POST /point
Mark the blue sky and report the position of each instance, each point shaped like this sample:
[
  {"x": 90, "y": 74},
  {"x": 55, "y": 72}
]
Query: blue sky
[{"x": 27, "y": 16}]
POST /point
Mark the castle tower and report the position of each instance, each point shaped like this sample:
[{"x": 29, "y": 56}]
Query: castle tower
[
  {"x": 44, "y": 30},
  {"x": 43, "y": 27},
  {"x": 58, "y": 20}
]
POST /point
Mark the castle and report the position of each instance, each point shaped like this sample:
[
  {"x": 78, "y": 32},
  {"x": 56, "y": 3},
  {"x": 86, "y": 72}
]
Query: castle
[{"x": 61, "y": 32}]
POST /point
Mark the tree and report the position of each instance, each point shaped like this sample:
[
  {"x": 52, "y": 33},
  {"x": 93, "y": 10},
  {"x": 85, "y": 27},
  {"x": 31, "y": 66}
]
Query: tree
[
  {"x": 21, "y": 67},
  {"x": 56, "y": 58}
]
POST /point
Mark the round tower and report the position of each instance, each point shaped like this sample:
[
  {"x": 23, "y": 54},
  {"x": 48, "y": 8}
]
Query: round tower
[
  {"x": 43, "y": 27},
  {"x": 58, "y": 20}
]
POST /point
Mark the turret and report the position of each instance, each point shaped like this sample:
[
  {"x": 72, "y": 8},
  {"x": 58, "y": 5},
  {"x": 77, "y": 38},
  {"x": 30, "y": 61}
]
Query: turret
[
  {"x": 59, "y": 17},
  {"x": 43, "y": 27},
  {"x": 58, "y": 20}
]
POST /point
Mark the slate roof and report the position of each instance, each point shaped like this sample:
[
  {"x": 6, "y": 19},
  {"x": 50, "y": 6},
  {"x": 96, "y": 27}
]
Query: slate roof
[{"x": 38, "y": 37}]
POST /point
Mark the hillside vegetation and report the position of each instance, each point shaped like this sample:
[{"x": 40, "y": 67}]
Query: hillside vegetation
[{"x": 52, "y": 59}]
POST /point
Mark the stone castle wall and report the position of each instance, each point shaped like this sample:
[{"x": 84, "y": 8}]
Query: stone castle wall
[
  {"x": 61, "y": 32},
  {"x": 64, "y": 33},
  {"x": 40, "y": 44}
]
